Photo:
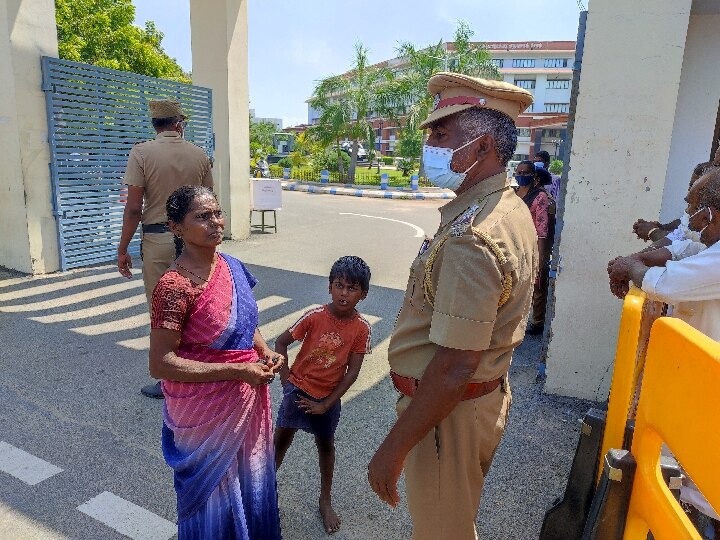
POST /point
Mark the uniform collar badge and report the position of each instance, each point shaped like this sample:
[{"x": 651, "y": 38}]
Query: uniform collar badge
[{"x": 463, "y": 222}]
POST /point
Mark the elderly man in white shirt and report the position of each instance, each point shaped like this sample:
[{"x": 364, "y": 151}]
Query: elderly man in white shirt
[{"x": 691, "y": 285}]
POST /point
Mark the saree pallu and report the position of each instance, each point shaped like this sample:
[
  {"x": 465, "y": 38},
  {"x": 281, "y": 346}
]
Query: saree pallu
[{"x": 217, "y": 436}]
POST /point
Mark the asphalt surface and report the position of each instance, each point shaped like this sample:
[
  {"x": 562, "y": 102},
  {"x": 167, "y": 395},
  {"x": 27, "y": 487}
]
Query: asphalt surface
[{"x": 73, "y": 358}]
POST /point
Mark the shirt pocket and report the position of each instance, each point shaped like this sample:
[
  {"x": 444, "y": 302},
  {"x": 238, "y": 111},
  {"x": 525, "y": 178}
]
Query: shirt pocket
[{"x": 414, "y": 293}]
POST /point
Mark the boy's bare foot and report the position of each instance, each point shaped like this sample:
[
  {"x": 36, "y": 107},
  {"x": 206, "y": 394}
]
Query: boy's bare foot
[{"x": 331, "y": 521}]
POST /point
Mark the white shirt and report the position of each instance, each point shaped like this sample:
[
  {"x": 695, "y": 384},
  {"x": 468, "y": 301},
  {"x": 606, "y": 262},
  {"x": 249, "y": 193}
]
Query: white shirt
[{"x": 692, "y": 287}]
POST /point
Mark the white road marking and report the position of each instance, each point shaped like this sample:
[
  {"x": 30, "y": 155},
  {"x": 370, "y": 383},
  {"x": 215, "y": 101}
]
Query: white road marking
[
  {"x": 270, "y": 302},
  {"x": 118, "y": 325},
  {"x": 36, "y": 288},
  {"x": 128, "y": 518},
  {"x": 419, "y": 233},
  {"x": 73, "y": 298},
  {"x": 23, "y": 466},
  {"x": 94, "y": 311},
  {"x": 136, "y": 344}
]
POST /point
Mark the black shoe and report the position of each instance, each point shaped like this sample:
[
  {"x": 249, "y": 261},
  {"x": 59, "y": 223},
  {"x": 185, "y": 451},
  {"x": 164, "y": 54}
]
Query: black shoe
[
  {"x": 534, "y": 330},
  {"x": 153, "y": 391}
]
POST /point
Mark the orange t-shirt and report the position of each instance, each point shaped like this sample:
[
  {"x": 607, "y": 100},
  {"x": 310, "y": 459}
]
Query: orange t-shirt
[{"x": 327, "y": 345}]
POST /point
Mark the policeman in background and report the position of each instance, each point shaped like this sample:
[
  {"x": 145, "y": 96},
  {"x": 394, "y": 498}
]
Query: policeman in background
[
  {"x": 464, "y": 312},
  {"x": 154, "y": 170}
]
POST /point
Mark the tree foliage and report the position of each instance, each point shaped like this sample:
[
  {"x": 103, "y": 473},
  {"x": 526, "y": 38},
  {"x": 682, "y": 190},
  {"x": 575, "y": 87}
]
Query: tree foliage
[
  {"x": 101, "y": 32},
  {"x": 346, "y": 104},
  {"x": 406, "y": 97},
  {"x": 261, "y": 138}
]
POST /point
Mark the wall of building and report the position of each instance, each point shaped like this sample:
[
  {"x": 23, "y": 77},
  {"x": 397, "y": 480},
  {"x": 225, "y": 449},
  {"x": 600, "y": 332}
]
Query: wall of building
[
  {"x": 696, "y": 112},
  {"x": 219, "y": 36},
  {"x": 617, "y": 172},
  {"x": 28, "y": 233}
]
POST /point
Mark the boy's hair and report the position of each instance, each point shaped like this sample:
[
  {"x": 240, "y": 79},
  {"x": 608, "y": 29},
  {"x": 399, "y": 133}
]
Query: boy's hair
[{"x": 352, "y": 269}]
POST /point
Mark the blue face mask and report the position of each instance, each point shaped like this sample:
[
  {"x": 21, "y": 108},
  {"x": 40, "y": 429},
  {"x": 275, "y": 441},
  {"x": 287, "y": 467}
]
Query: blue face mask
[
  {"x": 524, "y": 180},
  {"x": 539, "y": 165},
  {"x": 436, "y": 162}
]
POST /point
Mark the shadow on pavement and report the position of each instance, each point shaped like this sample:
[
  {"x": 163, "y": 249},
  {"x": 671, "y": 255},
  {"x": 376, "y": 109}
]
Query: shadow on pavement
[{"x": 75, "y": 355}]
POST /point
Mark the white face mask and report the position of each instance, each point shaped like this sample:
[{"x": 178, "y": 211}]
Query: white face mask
[
  {"x": 685, "y": 228},
  {"x": 436, "y": 162},
  {"x": 697, "y": 235}
]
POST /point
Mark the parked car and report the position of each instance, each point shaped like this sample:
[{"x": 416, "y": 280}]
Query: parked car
[{"x": 346, "y": 146}]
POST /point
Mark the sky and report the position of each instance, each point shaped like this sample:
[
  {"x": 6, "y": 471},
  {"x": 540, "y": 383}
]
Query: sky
[{"x": 295, "y": 43}]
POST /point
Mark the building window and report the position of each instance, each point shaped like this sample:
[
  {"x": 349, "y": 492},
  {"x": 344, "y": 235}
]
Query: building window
[
  {"x": 527, "y": 84},
  {"x": 550, "y": 133},
  {"x": 523, "y": 132},
  {"x": 523, "y": 63},
  {"x": 557, "y": 107},
  {"x": 556, "y": 62},
  {"x": 559, "y": 84},
  {"x": 497, "y": 62},
  {"x": 521, "y": 157}
]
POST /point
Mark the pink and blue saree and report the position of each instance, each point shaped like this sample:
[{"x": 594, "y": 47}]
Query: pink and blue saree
[{"x": 217, "y": 436}]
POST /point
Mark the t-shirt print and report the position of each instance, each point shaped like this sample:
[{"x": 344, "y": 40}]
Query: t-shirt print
[{"x": 324, "y": 354}]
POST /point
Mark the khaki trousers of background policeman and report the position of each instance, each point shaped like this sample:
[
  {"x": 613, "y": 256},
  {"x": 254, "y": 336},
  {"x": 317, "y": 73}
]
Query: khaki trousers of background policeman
[
  {"x": 445, "y": 472},
  {"x": 158, "y": 253}
]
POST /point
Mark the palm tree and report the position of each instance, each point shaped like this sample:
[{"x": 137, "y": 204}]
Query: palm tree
[
  {"x": 350, "y": 101},
  {"x": 331, "y": 127},
  {"x": 406, "y": 97}
]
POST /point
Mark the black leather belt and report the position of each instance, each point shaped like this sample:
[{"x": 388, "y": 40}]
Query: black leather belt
[{"x": 155, "y": 228}]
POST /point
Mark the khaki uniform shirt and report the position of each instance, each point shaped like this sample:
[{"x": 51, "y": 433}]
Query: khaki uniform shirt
[
  {"x": 163, "y": 165},
  {"x": 467, "y": 284}
]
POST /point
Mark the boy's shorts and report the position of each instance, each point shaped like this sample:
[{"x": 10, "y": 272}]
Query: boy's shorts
[{"x": 293, "y": 417}]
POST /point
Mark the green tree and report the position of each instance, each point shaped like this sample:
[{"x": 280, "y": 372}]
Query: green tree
[
  {"x": 556, "y": 166},
  {"x": 407, "y": 99},
  {"x": 330, "y": 129},
  {"x": 100, "y": 32},
  {"x": 261, "y": 138},
  {"x": 346, "y": 103}
]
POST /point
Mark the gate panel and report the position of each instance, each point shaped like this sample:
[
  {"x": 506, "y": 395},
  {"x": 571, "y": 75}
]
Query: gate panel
[{"x": 95, "y": 116}]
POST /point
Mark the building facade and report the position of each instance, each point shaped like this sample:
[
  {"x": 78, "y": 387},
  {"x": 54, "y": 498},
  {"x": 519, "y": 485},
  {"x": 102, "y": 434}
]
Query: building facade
[{"x": 542, "y": 67}]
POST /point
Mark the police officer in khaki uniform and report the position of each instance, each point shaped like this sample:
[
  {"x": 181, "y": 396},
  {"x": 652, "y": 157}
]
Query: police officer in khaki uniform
[
  {"x": 154, "y": 170},
  {"x": 464, "y": 312}
]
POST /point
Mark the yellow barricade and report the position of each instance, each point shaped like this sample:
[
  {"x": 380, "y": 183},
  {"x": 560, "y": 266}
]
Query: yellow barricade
[
  {"x": 637, "y": 317},
  {"x": 679, "y": 405}
]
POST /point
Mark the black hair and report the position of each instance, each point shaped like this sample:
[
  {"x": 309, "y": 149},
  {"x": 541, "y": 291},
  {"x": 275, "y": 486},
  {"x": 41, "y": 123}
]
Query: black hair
[
  {"x": 526, "y": 162},
  {"x": 353, "y": 269},
  {"x": 543, "y": 154},
  {"x": 544, "y": 176},
  {"x": 179, "y": 203},
  {"x": 165, "y": 123}
]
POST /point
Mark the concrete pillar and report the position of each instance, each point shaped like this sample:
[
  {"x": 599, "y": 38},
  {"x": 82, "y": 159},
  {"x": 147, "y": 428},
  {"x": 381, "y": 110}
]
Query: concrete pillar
[
  {"x": 620, "y": 149},
  {"x": 28, "y": 231},
  {"x": 219, "y": 33}
]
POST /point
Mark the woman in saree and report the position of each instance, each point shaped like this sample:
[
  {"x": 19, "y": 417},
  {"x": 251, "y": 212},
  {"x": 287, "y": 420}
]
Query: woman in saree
[{"x": 206, "y": 348}]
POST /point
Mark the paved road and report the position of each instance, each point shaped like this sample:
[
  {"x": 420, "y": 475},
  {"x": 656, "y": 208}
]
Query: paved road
[{"x": 79, "y": 446}]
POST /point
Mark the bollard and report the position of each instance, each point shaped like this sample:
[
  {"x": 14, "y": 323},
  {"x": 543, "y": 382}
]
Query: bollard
[
  {"x": 414, "y": 182},
  {"x": 286, "y": 173},
  {"x": 324, "y": 176},
  {"x": 384, "y": 181}
]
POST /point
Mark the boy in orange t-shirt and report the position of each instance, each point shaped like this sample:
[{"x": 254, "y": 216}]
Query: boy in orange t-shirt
[{"x": 335, "y": 339}]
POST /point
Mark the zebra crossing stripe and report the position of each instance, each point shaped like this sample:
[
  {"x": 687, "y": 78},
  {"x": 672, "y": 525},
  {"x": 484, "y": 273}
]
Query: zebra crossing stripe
[
  {"x": 23, "y": 466},
  {"x": 128, "y": 518}
]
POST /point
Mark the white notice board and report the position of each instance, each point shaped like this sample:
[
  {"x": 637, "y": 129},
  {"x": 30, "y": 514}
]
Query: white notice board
[{"x": 267, "y": 194}]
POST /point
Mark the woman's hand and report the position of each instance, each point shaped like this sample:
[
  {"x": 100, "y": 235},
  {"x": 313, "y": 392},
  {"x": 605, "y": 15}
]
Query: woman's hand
[
  {"x": 255, "y": 373},
  {"x": 310, "y": 406}
]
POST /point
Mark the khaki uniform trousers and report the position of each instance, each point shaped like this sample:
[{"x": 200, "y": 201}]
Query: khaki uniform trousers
[
  {"x": 445, "y": 472},
  {"x": 158, "y": 253},
  {"x": 539, "y": 299}
]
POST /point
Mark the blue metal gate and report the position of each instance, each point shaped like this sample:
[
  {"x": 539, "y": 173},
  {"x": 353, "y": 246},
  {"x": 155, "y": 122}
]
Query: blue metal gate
[{"x": 95, "y": 116}]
